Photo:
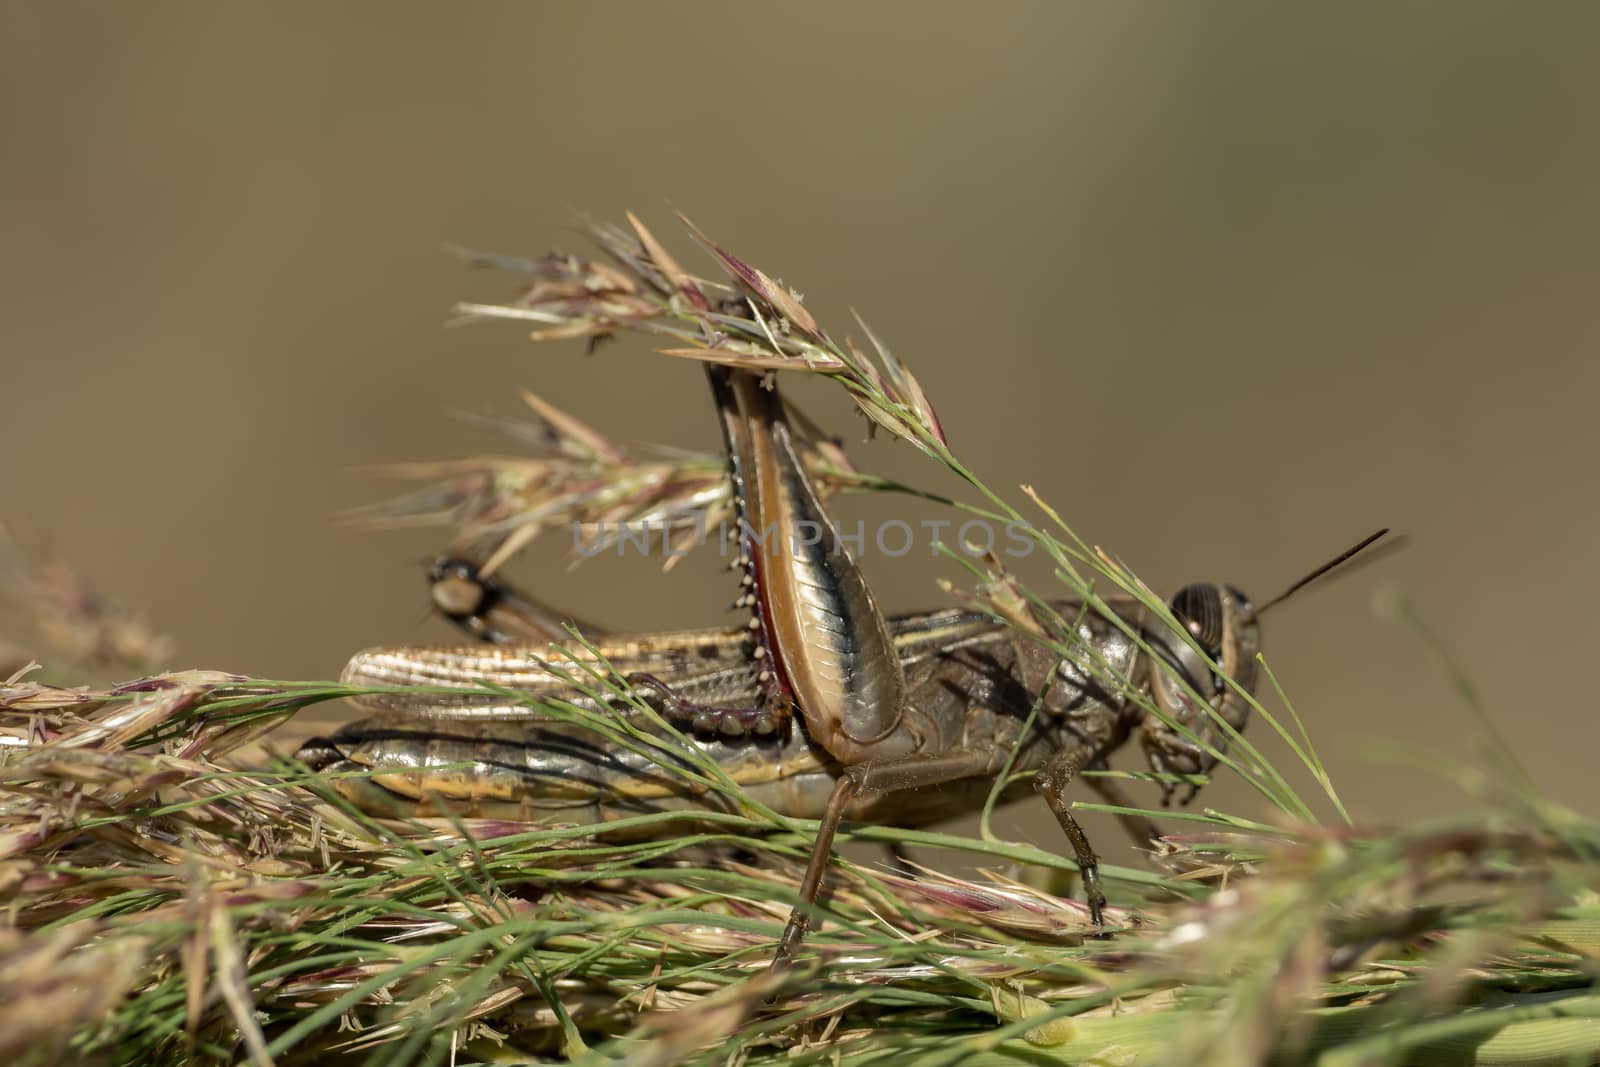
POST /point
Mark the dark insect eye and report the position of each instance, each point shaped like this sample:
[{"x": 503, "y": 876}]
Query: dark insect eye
[{"x": 1199, "y": 608}]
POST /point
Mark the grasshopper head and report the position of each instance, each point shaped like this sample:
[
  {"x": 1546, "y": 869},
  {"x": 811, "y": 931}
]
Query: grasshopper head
[{"x": 1222, "y": 622}]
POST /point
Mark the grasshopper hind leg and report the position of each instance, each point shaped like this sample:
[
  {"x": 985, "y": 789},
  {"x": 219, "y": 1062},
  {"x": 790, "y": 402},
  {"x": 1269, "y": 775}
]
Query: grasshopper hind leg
[{"x": 760, "y": 721}]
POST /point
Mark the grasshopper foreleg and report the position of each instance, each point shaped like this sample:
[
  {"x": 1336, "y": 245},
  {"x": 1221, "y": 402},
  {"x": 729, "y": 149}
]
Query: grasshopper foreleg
[{"x": 1142, "y": 831}]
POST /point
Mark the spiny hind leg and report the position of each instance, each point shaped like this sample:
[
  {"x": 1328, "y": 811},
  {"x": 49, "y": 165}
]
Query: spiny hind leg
[{"x": 726, "y": 720}]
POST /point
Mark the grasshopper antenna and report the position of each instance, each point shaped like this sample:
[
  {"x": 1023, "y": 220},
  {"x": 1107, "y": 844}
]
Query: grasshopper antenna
[{"x": 1332, "y": 564}]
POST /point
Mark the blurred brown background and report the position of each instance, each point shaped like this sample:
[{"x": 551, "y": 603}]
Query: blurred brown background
[{"x": 1230, "y": 284}]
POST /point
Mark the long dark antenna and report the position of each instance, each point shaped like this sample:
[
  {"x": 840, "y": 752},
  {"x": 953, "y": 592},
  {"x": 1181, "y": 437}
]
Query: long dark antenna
[{"x": 1336, "y": 561}]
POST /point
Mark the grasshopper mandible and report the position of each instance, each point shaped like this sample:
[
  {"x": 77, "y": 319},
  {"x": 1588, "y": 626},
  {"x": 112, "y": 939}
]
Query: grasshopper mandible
[{"x": 820, "y": 707}]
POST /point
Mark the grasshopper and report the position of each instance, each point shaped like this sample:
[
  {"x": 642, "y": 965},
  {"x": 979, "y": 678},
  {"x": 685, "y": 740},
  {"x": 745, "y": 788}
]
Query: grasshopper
[{"x": 820, "y": 707}]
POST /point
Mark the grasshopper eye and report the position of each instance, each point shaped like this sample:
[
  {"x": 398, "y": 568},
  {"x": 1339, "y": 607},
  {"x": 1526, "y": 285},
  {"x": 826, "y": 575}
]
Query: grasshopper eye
[{"x": 1199, "y": 608}]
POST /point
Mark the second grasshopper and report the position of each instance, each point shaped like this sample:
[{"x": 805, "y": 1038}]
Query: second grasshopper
[{"x": 820, "y": 707}]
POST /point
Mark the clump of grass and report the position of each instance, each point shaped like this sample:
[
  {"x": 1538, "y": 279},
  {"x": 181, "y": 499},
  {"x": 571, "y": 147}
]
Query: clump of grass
[
  {"x": 167, "y": 902},
  {"x": 164, "y": 905}
]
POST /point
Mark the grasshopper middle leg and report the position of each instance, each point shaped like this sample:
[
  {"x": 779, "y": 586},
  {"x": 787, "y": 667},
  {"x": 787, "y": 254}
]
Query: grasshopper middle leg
[
  {"x": 915, "y": 771},
  {"x": 1052, "y": 782},
  {"x": 863, "y": 780}
]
